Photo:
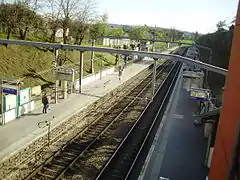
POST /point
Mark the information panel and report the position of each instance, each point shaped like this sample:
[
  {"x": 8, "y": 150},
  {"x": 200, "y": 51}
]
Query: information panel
[
  {"x": 199, "y": 95},
  {"x": 65, "y": 74}
]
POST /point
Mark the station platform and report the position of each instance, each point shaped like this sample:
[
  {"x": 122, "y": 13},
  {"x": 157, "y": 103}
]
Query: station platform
[
  {"x": 179, "y": 148},
  {"x": 20, "y": 132}
]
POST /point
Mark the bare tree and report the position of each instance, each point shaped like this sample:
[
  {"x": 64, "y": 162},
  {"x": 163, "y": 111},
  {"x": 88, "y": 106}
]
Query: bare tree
[
  {"x": 86, "y": 15},
  {"x": 53, "y": 15},
  {"x": 69, "y": 12},
  {"x": 82, "y": 11}
]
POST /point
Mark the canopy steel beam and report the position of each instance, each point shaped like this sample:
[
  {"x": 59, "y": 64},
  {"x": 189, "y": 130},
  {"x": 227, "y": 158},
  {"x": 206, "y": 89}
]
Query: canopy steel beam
[{"x": 118, "y": 51}]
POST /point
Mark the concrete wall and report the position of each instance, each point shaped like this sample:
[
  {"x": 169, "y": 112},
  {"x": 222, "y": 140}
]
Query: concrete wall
[
  {"x": 10, "y": 115},
  {"x": 26, "y": 105},
  {"x": 117, "y": 42},
  {"x": 94, "y": 77}
]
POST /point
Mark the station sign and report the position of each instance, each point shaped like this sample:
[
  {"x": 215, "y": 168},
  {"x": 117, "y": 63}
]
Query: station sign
[
  {"x": 9, "y": 91},
  {"x": 65, "y": 74}
]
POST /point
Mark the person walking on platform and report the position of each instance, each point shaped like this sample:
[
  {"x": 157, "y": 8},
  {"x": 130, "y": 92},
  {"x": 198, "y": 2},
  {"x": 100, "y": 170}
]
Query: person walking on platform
[
  {"x": 119, "y": 72},
  {"x": 116, "y": 59},
  {"x": 45, "y": 103},
  {"x": 125, "y": 61}
]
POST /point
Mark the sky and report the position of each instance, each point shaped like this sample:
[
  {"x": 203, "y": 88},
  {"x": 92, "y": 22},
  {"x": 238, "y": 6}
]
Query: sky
[{"x": 187, "y": 15}]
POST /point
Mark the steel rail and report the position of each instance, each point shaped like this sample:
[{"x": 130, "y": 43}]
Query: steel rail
[
  {"x": 105, "y": 129},
  {"x": 75, "y": 137},
  {"x": 75, "y": 122},
  {"x": 129, "y": 132},
  {"x": 153, "y": 123}
]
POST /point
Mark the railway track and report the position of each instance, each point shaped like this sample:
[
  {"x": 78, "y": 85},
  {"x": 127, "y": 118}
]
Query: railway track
[
  {"x": 30, "y": 157},
  {"x": 80, "y": 146},
  {"x": 122, "y": 162}
]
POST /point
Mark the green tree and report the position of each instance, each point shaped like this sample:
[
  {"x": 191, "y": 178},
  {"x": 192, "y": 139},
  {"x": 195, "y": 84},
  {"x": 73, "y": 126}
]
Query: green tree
[
  {"x": 8, "y": 20},
  {"x": 171, "y": 34},
  {"x": 139, "y": 32},
  {"x": 27, "y": 20},
  {"x": 179, "y": 35},
  {"x": 79, "y": 30},
  {"x": 18, "y": 18},
  {"x": 115, "y": 32},
  {"x": 126, "y": 28},
  {"x": 220, "y": 43},
  {"x": 196, "y": 35},
  {"x": 221, "y": 25},
  {"x": 160, "y": 35},
  {"x": 100, "y": 28}
]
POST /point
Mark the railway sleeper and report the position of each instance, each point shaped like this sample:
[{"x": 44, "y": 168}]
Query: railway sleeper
[
  {"x": 93, "y": 133},
  {"x": 69, "y": 154},
  {"x": 117, "y": 176},
  {"x": 59, "y": 162},
  {"x": 77, "y": 148},
  {"x": 34, "y": 178},
  {"x": 126, "y": 161},
  {"x": 67, "y": 158},
  {"x": 48, "y": 169},
  {"x": 46, "y": 175},
  {"x": 49, "y": 172},
  {"x": 75, "y": 151},
  {"x": 99, "y": 128},
  {"x": 86, "y": 140},
  {"x": 55, "y": 166}
]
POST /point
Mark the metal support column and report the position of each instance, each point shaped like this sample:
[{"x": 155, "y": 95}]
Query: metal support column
[
  {"x": 56, "y": 83},
  {"x": 153, "y": 47},
  {"x": 80, "y": 71},
  {"x": 18, "y": 101},
  {"x": 3, "y": 119},
  {"x": 101, "y": 68},
  {"x": 154, "y": 77},
  {"x": 92, "y": 57}
]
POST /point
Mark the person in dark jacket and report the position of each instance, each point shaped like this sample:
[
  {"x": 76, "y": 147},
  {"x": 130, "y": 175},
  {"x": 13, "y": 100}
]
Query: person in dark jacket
[
  {"x": 45, "y": 103},
  {"x": 120, "y": 72}
]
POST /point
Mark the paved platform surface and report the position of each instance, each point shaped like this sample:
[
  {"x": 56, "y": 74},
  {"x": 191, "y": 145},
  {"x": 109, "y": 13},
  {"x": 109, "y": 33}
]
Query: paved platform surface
[
  {"x": 21, "y": 131},
  {"x": 179, "y": 151}
]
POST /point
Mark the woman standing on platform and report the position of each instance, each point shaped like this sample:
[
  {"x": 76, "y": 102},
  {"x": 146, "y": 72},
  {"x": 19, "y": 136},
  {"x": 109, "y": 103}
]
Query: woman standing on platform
[
  {"x": 120, "y": 72},
  {"x": 45, "y": 103}
]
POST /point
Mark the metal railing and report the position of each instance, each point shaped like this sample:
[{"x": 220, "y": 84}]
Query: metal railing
[{"x": 118, "y": 51}]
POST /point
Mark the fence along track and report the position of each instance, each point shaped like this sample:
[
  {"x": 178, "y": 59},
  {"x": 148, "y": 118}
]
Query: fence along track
[
  {"x": 98, "y": 128},
  {"x": 119, "y": 166},
  {"x": 13, "y": 163}
]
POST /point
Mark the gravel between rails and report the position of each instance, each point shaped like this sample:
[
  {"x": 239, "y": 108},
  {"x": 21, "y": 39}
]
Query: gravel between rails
[
  {"x": 60, "y": 161},
  {"x": 89, "y": 164},
  {"x": 120, "y": 165},
  {"x": 23, "y": 162}
]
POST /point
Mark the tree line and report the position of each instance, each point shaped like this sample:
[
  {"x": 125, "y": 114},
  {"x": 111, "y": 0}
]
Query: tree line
[
  {"x": 78, "y": 20},
  {"x": 220, "y": 42}
]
